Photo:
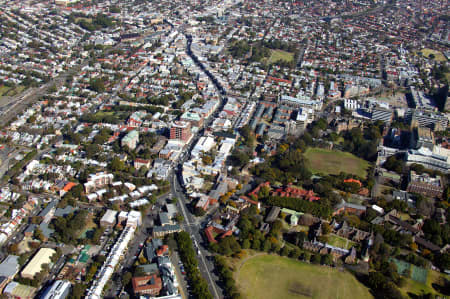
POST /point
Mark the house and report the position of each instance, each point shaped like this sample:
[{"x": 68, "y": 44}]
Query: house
[
  {"x": 60, "y": 289},
  {"x": 273, "y": 214},
  {"x": 138, "y": 163},
  {"x": 161, "y": 231},
  {"x": 164, "y": 219},
  {"x": 97, "y": 181},
  {"x": 9, "y": 267},
  {"x": 254, "y": 193},
  {"x": 17, "y": 290},
  {"x": 149, "y": 269},
  {"x": 215, "y": 232},
  {"x": 147, "y": 285},
  {"x": 351, "y": 257},
  {"x": 295, "y": 192},
  {"x": 426, "y": 244},
  {"x": 131, "y": 139},
  {"x": 48, "y": 212},
  {"x": 350, "y": 208},
  {"x": 108, "y": 219}
]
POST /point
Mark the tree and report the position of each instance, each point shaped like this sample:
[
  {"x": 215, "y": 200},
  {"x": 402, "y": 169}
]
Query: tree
[
  {"x": 285, "y": 251},
  {"x": 77, "y": 291},
  {"x": 97, "y": 84},
  {"x": 179, "y": 218},
  {"x": 256, "y": 245},
  {"x": 295, "y": 254},
  {"x": 13, "y": 248},
  {"x": 126, "y": 278},
  {"x": 117, "y": 164},
  {"x": 327, "y": 259},
  {"x": 38, "y": 234},
  {"x": 326, "y": 229},
  {"x": 315, "y": 258},
  {"x": 246, "y": 244},
  {"x": 266, "y": 245}
]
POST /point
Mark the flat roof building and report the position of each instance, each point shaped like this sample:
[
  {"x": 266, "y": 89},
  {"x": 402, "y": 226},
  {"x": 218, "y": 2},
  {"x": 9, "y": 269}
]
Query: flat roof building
[
  {"x": 58, "y": 290},
  {"x": 34, "y": 266},
  {"x": 109, "y": 219},
  {"x": 131, "y": 139},
  {"x": 180, "y": 130}
]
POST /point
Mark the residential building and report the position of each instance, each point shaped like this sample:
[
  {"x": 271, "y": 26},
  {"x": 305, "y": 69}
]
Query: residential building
[
  {"x": 181, "y": 130},
  {"x": 108, "y": 219},
  {"x": 60, "y": 289},
  {"x": 97, "y": 181},
  {"x": 131, "y": 139},
  {"x": 147, "y": 285},
  {"x": 192, "y": 117},
  {"x": 17, "y": 290},
  {"x": 161, "y": 231}
]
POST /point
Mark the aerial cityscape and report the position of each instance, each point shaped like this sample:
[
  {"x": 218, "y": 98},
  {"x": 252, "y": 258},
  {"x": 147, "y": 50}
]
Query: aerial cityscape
[{"x": 224, "y": 149}]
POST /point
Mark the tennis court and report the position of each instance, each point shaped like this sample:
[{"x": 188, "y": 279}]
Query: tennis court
[{"x": 418, "y": 274}]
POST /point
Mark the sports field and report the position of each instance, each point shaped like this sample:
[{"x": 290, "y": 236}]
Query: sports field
[
  {"x": 418, "y": 274},
  {"x": 280, "y": 55},
  {"x": 271, "y": 276},
  {"x": 333, "y": 162}
]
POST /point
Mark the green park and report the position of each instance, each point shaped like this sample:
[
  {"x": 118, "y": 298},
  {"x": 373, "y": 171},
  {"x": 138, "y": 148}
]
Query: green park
[
  {"x": 270, "y": 276},
  {"x": 334, "y": 162}
]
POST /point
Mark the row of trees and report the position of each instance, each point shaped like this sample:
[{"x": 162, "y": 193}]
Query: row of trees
[
  {"x": 226, "y": 278},
  {"x": 188, "y": 257}
]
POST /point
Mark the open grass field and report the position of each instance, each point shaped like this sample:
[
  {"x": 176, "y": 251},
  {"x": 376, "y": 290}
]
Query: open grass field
[
  {"x": 333, "y": 162},
  {"x": 340, "y": 242},
  {"x": 270, "y": 276},
  {"x": 280, "y": 55},
  {"x": 438, "y": 56}
]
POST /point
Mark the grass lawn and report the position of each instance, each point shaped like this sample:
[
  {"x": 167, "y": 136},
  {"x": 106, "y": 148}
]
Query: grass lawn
[
  {"x": 280, "y": 55},
  {"x": 89, "y": 20},
  {"x": 438, "y": 56},
  {"x": 333, "y": 162},
  {"x": 3, "y": 90},
  {"x": 10, "y": 91},
  {"x": 104, "y": 113},
  {"x": 270, "y": 276},
  {"x": 417, "y": 288},
  {"x": 90, "y": 227},
  {"x": 340, "y": 242}
]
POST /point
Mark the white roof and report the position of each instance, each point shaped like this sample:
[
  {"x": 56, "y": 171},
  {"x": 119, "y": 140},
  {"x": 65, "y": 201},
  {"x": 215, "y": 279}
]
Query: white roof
[{"x": 110, "y": 216}]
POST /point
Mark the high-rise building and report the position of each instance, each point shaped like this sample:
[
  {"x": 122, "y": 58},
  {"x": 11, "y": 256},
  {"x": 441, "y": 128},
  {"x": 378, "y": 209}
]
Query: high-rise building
[{"x": 180, "y": 130}]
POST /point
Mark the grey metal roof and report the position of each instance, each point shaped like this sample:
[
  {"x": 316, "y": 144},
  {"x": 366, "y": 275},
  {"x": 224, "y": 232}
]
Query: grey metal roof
[{"x": 10, "y": 266}]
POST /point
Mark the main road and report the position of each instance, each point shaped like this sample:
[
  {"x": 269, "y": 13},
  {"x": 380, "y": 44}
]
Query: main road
[{"x": 192, "y": 224}]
